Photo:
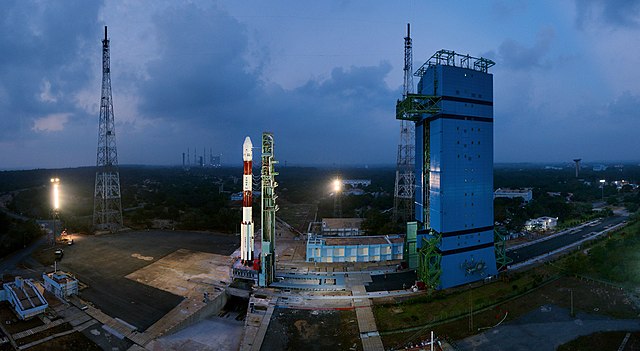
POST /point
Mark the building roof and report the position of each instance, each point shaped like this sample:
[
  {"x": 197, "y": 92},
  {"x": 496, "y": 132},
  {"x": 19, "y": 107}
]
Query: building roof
[
  {"x": 363, "y": 240},
  {"x": 335, "y": 223},
  {"x": 61, "y": 277},
  {"x": 514, "y": 191}
]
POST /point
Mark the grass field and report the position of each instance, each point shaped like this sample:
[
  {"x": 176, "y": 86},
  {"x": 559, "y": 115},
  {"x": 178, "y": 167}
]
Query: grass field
[
  {"x": 455, "y": 302},
  {"x": 593, "y": 275},
  {"x": 615, "y": 259}
]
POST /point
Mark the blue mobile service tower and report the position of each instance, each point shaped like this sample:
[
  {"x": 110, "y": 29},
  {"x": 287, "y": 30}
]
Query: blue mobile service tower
[{"x": 453, "y": 234}]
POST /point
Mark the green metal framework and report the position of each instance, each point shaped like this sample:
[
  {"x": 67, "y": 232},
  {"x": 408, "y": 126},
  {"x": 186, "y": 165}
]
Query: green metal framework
[
  {"x": 414, "y": 106},
  {"x": 451, "y": 58},
  {"x": 426, "y": 170},
  {"x": 269, "y": 208},
  {"x": 500, "y": 242},
  {"x": 429, "y": 269}
]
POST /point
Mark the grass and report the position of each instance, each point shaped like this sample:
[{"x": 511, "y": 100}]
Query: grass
[
  {"x": 601, "y": 293},
  {"x": 597, "y": 261},
  {"x": 588, "y": 296},
  {"x": 442, "y": 306}
]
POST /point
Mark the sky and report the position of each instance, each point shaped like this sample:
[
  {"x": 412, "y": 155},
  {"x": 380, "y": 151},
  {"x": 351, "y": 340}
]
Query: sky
[{"x": 323, "y": 76}]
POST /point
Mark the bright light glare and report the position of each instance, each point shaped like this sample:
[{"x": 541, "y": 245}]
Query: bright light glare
[
  {"x": 337, "y": 185},
  {"x": 602, "y": 181},
  {"x": 56, "y": 193}
]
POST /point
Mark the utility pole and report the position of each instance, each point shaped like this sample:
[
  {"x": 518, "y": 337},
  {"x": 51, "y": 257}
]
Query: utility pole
[
  {"x": 107, "y": 204},
  {"x": 573, "y": 314},
  {"x": 403, "y": 199}
]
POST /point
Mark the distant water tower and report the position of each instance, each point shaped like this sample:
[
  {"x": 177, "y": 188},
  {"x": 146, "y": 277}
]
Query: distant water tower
[{"x": 577, "y": 161}]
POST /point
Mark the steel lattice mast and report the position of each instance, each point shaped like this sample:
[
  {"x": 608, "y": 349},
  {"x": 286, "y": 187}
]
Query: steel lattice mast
[
  {"x": 107, "y": 205},
  {"x": 403, "y": 201}
]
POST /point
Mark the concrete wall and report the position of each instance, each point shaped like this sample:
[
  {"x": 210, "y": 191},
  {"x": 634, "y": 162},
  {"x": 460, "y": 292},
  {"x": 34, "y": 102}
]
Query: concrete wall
[{"x": 213, "y": 307}]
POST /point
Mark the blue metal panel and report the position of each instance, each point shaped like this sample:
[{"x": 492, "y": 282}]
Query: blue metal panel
[
  {"x": 458, "y": 269},
  {"x": 461, "y": 171}
]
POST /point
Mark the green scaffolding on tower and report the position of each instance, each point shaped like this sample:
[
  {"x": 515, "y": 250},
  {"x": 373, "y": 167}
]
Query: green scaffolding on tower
[
  {"x": 500, "y": 242},
  {"x": 268, "y": 211},
  {"x": 429, "y": 269}
]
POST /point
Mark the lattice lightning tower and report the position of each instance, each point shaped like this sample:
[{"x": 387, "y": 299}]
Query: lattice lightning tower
[
  {"x": 107, "y": 205},
  {"x": 403, "y": 204}
]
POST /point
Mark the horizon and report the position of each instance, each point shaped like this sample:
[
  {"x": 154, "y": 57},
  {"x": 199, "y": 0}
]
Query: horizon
[{"x": 568, "y": 165}]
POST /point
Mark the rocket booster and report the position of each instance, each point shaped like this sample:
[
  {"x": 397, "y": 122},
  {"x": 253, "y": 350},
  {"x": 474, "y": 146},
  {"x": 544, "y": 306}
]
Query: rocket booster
[{"x": 246, "y": 227}]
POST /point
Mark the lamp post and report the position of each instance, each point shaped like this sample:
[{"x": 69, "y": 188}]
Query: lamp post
[
  {"x": 602, "y": 181},
  {"x": 337, "y": 201},
  {"x": 55, "y": 198}
]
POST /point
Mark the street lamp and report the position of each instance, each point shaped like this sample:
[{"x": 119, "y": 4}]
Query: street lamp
[
  {"x": 337, "y": 201},
  {"x": 55, "y": 196},
  {"x": 602, "y": 181}
]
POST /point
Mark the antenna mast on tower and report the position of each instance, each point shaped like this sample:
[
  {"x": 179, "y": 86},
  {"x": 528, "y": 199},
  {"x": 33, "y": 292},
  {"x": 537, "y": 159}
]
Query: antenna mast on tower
[
  {"x": 107, "y": 205},
  {"x": 403, "y": 200}
]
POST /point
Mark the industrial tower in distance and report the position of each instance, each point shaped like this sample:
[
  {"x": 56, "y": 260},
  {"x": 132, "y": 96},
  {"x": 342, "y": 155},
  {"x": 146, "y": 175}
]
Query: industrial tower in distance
[
  {"x": 403, "y": 199},
  {"x": 107, "y": 205},
  {"x": 453, "y": 112}
]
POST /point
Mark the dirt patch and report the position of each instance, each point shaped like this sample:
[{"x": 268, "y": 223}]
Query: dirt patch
[
  {"x": 12, "y": 323},
  {"x": 292, "y": 329},
  {"x": 73, "y": 341}
]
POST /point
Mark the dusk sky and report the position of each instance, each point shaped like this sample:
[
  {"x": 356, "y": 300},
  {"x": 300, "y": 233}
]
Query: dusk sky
[{"x": 323, "y": 76}]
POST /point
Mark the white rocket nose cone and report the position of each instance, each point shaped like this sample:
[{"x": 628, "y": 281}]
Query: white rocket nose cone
[{"x": 247, "y": 153}]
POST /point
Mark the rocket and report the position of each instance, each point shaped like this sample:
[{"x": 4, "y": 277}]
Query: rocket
[{"x": 246, "y": 227}]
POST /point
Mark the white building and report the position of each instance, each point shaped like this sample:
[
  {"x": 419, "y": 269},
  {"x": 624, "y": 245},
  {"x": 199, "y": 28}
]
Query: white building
[
  {"x": 60, "y": 284},
  {"x": 357, "y": 182},
  {"x": 542, "y": 223},
  {"x": 25, "y": 298},
  {"x": 526, "y": 194}
]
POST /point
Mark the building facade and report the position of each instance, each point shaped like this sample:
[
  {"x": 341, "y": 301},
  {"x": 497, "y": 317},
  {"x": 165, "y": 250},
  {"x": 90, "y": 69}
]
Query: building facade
[
  {"x": 354, "y": 249},
  {"x": 541, "y": 223},
  {"x": 61, "y": 284},
  {"x": 454, "y": 171},
  {"x": 24, "y": 297}
]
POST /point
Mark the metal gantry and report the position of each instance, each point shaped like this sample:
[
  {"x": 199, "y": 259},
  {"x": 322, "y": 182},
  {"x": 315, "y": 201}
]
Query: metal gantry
[
  {"x": 268, "y": 212},
  {"x": 403, "y": 199},
  {"x": 107, "y": 204}
]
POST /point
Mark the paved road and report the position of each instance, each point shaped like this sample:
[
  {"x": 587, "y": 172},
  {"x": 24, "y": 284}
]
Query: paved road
[
  {"x": 9, "y": 264},
  {"x": 544, "y": 329},
  {"x": 528, "y": 252}
]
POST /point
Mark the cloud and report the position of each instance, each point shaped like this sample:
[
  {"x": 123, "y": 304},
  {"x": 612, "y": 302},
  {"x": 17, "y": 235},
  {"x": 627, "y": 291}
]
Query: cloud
[
  {"x": 507, "y": 8},
  {"x": 201, "y": 64},
  {"x": 516, "y": 56},
  {"x": 51, "y": 123},
  {"x": 44, "y": 60},
  {"x": 199, "y": 87},
  {"x": 45, "y": 92},
  {"x": 614, "y": 14}
]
